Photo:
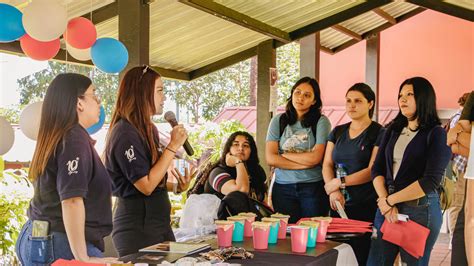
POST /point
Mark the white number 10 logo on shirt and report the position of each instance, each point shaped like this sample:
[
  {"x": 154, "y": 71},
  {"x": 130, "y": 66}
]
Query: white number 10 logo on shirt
[
  {"x": 72, "y": 166},
  {"x": 130, "y": 153}
]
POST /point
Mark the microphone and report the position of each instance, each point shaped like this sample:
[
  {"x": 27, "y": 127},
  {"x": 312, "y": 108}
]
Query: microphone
[{"x": 171, "y": 118}]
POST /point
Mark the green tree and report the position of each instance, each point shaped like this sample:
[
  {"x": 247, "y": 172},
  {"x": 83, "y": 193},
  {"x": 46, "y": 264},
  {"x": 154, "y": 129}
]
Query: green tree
[
  {"x": 33, "y": 87},
  {"x": 206, "y": 96},
  {"x": 12, "y": 113},
  {"x": 288, "y": 67}
]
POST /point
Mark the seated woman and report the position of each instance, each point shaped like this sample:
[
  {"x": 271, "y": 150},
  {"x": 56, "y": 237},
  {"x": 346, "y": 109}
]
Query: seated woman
[{"x": 238, "y": 170}]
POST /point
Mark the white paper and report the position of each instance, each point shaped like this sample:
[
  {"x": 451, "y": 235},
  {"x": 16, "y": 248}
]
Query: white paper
[
  {"x": 273, "y": 90},
  {"x": 470, "y": 161}
]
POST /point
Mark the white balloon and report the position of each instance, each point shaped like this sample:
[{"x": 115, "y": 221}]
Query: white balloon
[
  {"x": 79, "y": 54},
  {"x": 8, "y": 136},
  {"x": 45, "y": 20},
  {"x": 30, "y": 120}
]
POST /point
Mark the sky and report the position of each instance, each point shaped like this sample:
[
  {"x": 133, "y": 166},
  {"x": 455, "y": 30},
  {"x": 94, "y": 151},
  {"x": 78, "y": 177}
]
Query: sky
[{"x": 14, "y": 67}]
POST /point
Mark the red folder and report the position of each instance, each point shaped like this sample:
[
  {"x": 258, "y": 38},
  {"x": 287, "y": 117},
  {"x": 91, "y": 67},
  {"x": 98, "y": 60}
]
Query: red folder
[{"x": 408, "y": 235}]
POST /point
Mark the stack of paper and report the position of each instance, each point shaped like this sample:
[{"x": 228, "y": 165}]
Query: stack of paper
[{"x": 340, "y": 225}]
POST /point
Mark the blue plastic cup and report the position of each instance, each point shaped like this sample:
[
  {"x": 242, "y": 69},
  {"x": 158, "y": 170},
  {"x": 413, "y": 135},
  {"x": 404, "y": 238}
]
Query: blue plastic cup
[
  {"x": 273, "y": 236},
  {"x": 312, "y": 233},
  {"x": 239, "y": 224}
]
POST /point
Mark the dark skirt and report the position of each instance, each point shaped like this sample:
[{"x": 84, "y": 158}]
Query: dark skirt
[{"x": 141, "y": 222}]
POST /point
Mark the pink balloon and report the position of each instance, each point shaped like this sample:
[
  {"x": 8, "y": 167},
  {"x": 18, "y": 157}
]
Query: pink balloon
[
  {"x": 80, "y": 33},
  {"x": 39, "y": 50}
]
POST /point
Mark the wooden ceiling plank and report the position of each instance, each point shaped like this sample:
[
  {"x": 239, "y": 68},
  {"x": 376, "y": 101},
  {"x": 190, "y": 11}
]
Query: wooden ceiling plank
[
  {"x": 103, "y": 14},
  {"x": 238, "y": 18},
  {"x": 337, "y": 18},
  {"x": 228, "y": 61},
  {"x": 348, "y": 32},
  {"x": 385, "y": 15},
  {"x": 446, "y": 8},
  {"x": 387, "y": 25}
]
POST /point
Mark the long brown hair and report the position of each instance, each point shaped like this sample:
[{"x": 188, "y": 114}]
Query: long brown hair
[
  {"x": 58, "y": 116},
  {"x": 135, "y": 104}
]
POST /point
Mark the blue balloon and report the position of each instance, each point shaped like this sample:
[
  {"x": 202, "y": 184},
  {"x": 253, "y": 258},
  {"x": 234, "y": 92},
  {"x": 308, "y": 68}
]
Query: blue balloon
[
  {"x": 97, "y": 126},
  {"x": 11, "y": 26},
  {"x": 109, "y": 55}
]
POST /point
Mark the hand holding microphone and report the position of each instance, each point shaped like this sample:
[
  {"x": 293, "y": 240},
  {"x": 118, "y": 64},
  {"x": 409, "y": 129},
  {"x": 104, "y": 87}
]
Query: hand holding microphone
[{"x": 179, "y": 135}]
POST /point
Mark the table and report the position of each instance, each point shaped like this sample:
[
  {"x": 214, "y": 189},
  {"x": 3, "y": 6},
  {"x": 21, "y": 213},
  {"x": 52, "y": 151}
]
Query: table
[{"x": 328, "y": 253}]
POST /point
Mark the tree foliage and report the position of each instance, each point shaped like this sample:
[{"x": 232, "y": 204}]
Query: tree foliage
[
  {"x": 288, "y": 67},
  {"x": 33, "y": 87},
  {"x": 207, "y": 96}
]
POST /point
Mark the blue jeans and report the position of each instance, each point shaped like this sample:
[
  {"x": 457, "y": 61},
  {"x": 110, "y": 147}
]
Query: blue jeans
[
  {"x": 55, "y": 246},
  {"x": 426, "y": 212},
  {"x": 300, "y": 200}
]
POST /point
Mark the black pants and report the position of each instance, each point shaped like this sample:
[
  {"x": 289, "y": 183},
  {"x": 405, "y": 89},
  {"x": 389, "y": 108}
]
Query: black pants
[
  {"x": 458, "y": 252},
  {"x": 364, "y": 211},
  {"x": 141, "y": 222}
]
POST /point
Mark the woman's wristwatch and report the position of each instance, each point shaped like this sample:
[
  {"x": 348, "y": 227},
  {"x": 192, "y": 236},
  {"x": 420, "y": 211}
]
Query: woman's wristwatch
[
  {"x": 343, "y": 182},
  {"x": 239, "y": 161}
]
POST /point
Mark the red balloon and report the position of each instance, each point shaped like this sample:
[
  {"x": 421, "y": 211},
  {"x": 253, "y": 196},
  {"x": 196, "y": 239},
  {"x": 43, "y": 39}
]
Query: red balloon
[
  {"x": 80, "y": 33},
  {"x": 39, "y": 50}
]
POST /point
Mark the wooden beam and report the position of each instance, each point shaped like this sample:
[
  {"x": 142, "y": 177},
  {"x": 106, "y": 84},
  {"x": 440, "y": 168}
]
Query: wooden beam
[
  {"x": 310, "y": 47},
  {"x": 326, "y": 50},
  {"x": 266, "y": 59},
  {"x": 385, "y": 15},
  {"x": 446, "y": 8},
  {"x": 348, "y": 32},
  {"x": 15, "y": 48},
  {"x": 387, "y": 25},
  {"x": 228, "y": 61},
  {"x": 337, "y": 18},
  {"x": 172, "y": 74},
  {"x": 243, "y": 20},
  {"x": 372, "y": 68},
  {"x": 134, "y": 31},
  {"x": 103, "y": 14}
]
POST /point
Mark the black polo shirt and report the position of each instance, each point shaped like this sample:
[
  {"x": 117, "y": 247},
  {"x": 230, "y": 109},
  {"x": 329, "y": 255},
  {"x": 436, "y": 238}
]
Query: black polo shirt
[
  {"x": 75, "y": 170},
  {"x": 355, "y": 155},
  {"x": 128, "y": 159}
]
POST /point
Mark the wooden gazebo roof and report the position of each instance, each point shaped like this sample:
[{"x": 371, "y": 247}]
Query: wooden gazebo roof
[{"x": 191, "y": 38}]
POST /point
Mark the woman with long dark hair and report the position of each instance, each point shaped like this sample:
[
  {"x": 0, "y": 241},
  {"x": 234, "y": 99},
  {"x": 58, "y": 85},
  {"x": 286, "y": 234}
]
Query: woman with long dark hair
[
  {"x": 238, "y": 169},
  {"x": 295, "y": 146},
  {"x": 351, "y": 148},
  {"x": 138, "y": 165},
  {"x": 72, "y": 189},
  {"x": 408, "y": 169}
]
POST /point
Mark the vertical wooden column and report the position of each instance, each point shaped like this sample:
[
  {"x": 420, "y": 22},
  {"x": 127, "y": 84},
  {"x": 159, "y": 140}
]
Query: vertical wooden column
[
  {"x": 266, "y": 59},
  {"x": 372, "y": 69},
  {"x": 134, "y": 31},
  {"x": 309, "y": 56}
]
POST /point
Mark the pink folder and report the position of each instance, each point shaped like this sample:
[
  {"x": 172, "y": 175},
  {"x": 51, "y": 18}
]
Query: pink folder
[{"x": 408, "y": 235}]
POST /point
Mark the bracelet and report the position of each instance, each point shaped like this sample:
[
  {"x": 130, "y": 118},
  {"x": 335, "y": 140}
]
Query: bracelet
[
  {"x": 170, "y": 149},
  {"x": 239, "y": 162},
  {"x": 386, "y": 201}
]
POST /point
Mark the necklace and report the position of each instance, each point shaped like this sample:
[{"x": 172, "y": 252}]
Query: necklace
[{"x": 412, "y": 130}]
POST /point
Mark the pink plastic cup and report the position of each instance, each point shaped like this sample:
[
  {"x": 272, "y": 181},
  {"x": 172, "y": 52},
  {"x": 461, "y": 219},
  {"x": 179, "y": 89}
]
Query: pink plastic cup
[
  {"x": 261, "y": 231},
  {"x": 250, "y": 218},
  {"x": 299, "y": 238},
  {"x": 323, "y": 227},
  {"x": 283, "y": 224},
  {"x": 224, "y": 233}
]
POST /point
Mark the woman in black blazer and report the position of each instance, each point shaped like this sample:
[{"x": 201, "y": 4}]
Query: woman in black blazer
[{"x": 408, "y": 169}]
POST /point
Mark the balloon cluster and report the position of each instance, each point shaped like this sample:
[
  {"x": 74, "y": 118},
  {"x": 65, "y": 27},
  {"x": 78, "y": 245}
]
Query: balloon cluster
[{"x": 41, "y": 25}]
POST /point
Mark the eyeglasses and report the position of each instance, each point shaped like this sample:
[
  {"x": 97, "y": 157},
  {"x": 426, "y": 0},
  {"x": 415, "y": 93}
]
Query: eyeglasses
[{"x": 93, "y": 95}]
